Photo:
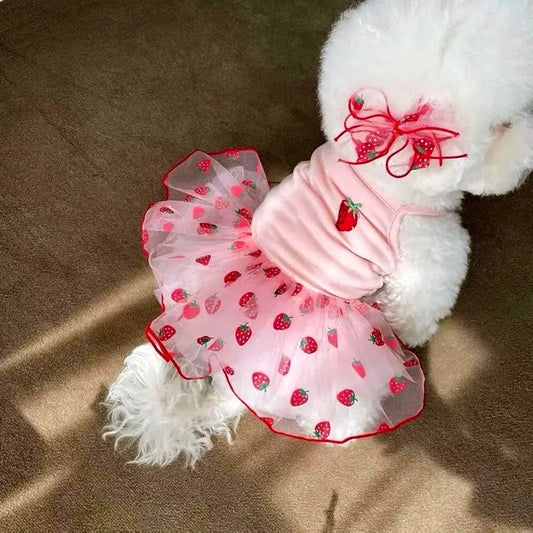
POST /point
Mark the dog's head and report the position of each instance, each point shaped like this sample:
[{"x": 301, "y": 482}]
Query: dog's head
[{"x": 470, "y": 60}]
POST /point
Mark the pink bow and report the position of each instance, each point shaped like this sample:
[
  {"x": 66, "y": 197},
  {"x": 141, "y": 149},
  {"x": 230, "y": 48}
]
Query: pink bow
[{"x": 374, "y": 134}]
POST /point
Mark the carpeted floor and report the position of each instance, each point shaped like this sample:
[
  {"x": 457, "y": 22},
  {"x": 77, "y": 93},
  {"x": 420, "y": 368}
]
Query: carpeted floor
[{"x": 98, "y": 99}]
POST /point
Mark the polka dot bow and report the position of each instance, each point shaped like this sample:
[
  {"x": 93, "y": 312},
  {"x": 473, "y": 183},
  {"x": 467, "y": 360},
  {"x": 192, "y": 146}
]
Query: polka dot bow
[{"x": 374, "y": 130}]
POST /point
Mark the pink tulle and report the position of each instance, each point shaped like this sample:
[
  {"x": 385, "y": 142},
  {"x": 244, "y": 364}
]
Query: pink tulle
[{"x": 308, "y": 365}]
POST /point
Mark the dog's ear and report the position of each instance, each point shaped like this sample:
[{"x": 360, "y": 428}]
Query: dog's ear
[{"x": 508, "y": 159}]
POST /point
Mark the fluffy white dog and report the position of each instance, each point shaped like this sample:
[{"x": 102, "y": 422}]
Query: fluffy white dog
[{"x": 473, "y": 57}]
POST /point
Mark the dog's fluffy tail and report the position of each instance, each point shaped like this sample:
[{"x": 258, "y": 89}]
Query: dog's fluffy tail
[{"x": 167, "y": 416}]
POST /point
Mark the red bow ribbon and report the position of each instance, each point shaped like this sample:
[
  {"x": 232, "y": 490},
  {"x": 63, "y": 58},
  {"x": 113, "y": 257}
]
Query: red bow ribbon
[{"x": 375, "y": 132}]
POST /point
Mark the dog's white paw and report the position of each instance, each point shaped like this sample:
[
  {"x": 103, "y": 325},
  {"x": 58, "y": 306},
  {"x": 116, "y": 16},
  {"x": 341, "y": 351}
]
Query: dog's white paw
[{"x": 166, "y": 416}]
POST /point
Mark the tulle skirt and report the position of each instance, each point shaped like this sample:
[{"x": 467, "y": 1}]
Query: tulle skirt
[{"x": 309, "y": 365}]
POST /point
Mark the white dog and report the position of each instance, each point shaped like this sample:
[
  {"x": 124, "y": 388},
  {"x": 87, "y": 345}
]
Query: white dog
[{"x": 473, "y": 57}]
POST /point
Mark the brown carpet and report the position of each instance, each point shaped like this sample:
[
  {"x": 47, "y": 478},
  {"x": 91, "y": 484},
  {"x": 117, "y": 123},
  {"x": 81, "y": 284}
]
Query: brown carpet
[{"x": 98, "y": 99}]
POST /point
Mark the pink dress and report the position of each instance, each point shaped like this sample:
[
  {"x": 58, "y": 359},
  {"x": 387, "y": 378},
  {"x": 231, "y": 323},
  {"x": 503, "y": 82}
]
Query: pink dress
[{"x": 275, "y": 288}]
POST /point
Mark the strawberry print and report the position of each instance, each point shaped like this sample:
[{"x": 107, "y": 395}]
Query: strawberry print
[
  {"x": 232, "y": 155},
  {"x": 179, "y": 295},
  {"x": 347, "y": 217},
  {"x": 248, "y": 299},
  {"x": 236, "y": 190},
  {"x": 243, "y": 334},
  {"x": 197, "y": 211},
  {"x": 280, "y": 290},
  {"x": 260, "y": 381},
  {"x": 376, "y": 337},
  {"x": 357, "y": 102},
  {"x": 423, "y": 149},
  {"x": 251, "y": 312},
  {"x": 267, "y": 420},
  {"x": 245, "y": 213},
  {"x": 411, "y": 362},
  {"x": 188, "y": 197},
  {"x": 347, "y": 397},
  {"x": 191, "y": 310},
  {"x": 255, "y": 253},
  {"x": 365, "y": 151},
  {"x": 332, "y": 337},
  {"x": 375, "y": 305},
  {"x": 308, "y": 345},
  {"x": 397, "y": 384},
  {"x": 166, "y": 210},
  {"x": 282, "y": 321},
  {"x": 271, "y": 272},
  {"x": 228, "y": 370},
  {"x": 322, "y": 301},
  {"x": 205, "y": 228},
  {"x": 297, "y": 289},
  {"x": 237, "y": 245},
  {"x": 307, "y": 306},
  {"x": 203, "y": 190},
  {"x": 383, "y": 428},
  {"x": 231, "y": 277},
  {"x": 241, "y": 223},
  {"x": 249, "y": 183},
  {"x": 299, "y": 397},
  {"x": 212, "y": 304},
  {"x": 284, "y": 365},
  {"x": 221, "y": 203},
  {"x": 322, "y": 430},
  {"x": 391, "y": 342},
  {"x": 358, "y": 367},
  {"x": 216, "y": 346},
  {"x": 166, "y": 332},
  {"x": 204, "y": 165},
  {"x": 204, "y": 260},
  {"x": 167, "y": 226},
  {"x": 203, "y": 340}
]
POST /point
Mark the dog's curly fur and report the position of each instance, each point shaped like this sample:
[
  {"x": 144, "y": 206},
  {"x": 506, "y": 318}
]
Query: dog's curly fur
[{"x": 470, "y": 57}]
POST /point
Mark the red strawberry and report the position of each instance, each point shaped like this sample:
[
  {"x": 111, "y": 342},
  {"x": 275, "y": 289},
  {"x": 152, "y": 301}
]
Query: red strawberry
[
  {"x": 248, "y": 299},
  {"x": 332, "y": 337},
  {"x": 257, "y": 253},
  {"x": 358, "y": 367},
  {"x": 202, "y": 341},
  {"x": 397, "y": 384},
  {"x": 282, "y": 321},
  {"x": 376, "y": 337},
  {"x": 284, "y": 365},
  {"x": 166, "y": 332},
  {"x": 267, "y": 420},
  {"x": 322, "y": 301},
  {"x": 203, "y": 190},
  {"x": 365, "y": 151},
  {"x": 179, "y": 295},
  {"x": 297, "y": 289},
  {"x": 191, "y": 310},
  {"x": 206, "y": 228},
  {"x": 411, "y": 362},
  {"x": 357, "y": 102},
  {"x": 308, "y": 345},
  {"x": 347, "y": 397},
  {"x": 204, "y": 260},
  {"x": 308, "y": 306},
  {"x": 188, "y": 197},
  {"x": 322, "y": 430},
  {"x": 245, "y": 213},
  {"x": 221, "y": 203},
  {"x": 299, "y": 397},
  {"x": 423, "y": 149},
  {"x": 243, "y": 334},
  {"x": 251, "y": 312},
  {"x": 375, "y": 305},
  {"x": 216, "y": 346},
  {"x": 232, "y": 154},
  {"x": 166, "y": 210},
  {"x": 237, "y": 245},
  {"x": 383, "y": 428},
  {"x": 231, "y": 277},
  {"x": 347, "y": 218},
  {"x": 271, "y": 272},
  {"x": 212, "y": 304},
  {"x": 228, "y": 370},
  {"x": 204, "y": 165},
  {"x": 280, "y": 290},
  {"x": 260, "y": 381},
  {"x": 249, "y": 183}
]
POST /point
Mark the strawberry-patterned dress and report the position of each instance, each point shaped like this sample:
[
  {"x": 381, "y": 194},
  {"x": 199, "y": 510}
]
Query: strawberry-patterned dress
[{"x": 274, "y": 289}]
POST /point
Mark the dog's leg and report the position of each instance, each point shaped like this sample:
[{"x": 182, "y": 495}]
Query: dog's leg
[
  {"x": 167, "y": 416},
  {"x": 424, "y": 286}
]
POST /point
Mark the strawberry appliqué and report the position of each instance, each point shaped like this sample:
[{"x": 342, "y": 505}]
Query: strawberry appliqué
[{"x": 348, "y": 215}]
